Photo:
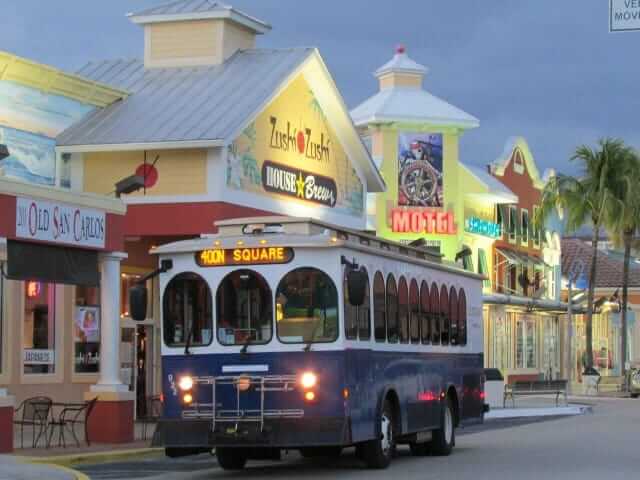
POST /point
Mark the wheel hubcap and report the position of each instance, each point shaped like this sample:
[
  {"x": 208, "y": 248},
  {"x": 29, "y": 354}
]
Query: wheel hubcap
[
  {"x": 387, "y": 435},
  {"x": 448, "y": 425}
]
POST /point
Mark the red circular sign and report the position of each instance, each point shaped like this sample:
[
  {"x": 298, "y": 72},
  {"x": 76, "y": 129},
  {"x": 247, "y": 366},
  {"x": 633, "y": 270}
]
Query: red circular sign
[{"x": 149, "y": 173}]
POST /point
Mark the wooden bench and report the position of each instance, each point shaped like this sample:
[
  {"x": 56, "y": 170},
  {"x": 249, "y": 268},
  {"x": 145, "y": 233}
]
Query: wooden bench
[
  {"x": 521, "y": 388},
  {"x": 610, "y": 384}
]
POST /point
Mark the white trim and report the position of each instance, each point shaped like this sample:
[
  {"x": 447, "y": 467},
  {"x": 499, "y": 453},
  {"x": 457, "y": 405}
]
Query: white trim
[
  {"x": 173, "y": 199},
  {"x": 123, "y": 147},
  {"x": 434, "y": 121}
]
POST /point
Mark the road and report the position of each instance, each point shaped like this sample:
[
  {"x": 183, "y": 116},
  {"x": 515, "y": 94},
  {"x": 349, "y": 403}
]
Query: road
[{"x": 594, "y": 446}]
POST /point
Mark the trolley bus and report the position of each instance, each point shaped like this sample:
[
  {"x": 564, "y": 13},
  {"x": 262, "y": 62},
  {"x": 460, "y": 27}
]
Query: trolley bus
[{"x": 287, "y": 333}]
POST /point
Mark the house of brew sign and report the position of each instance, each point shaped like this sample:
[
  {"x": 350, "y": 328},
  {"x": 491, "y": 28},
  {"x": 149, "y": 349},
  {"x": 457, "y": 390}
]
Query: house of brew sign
[{"x": 60, "y": 223}]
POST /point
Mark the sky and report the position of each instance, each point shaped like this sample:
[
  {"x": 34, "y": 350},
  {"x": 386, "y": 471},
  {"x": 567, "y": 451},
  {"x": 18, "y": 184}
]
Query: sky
[{"x": 547, "y": 70}]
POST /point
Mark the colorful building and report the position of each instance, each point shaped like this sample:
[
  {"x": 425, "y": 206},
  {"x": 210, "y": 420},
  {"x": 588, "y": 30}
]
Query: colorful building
[
  {"x": 212, "y": 128},
  {"x": 481, "y": 218}
]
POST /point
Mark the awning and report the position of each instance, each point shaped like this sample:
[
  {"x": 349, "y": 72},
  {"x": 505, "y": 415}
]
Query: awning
[{"x": 520, "y": 258}]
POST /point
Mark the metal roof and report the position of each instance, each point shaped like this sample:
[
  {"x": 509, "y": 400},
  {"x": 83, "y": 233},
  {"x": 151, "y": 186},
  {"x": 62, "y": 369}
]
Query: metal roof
[
  {"x": 401, "y": 63},
  {"x": 493, "y": 185},
  {"x": 197, "y": 10},
  {"x": 410, "y": 105},
  {"x": 189, "y": 104}
]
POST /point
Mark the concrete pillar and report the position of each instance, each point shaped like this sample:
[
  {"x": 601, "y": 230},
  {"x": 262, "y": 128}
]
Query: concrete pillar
[
  {"x": 7, "y": 404},
  {"x": 112, "y": 418}
]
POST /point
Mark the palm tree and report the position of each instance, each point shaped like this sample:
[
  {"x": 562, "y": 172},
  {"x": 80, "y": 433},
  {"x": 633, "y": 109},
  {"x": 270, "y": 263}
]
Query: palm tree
[
  {"x": 623, "y": 222},
  {"x": 586, "y": 199}
]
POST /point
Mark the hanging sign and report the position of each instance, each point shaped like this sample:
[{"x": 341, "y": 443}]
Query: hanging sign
[
  {"x": 33, "y": 356},
  {"x": 422, "y": 220},
  {"x": 483, "y": 227},
  {"x": 59, "y": 223},
  {"x": 299, "y": 184}
]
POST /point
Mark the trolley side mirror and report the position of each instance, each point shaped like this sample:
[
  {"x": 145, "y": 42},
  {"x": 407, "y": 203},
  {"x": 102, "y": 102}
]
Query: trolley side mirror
[
  {"x": 357, "y": 283},
  {"x": 138, "y": 302}
]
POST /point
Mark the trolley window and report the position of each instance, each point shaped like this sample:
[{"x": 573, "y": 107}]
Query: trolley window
[
  {"x": 364, "y": 315},
  {"x": 307, "y": 307},
  {"x": 187, "y": 311},
  {"x": 453, "y": 316},
  {"x": 434, "y": 305},
  {"x": 444, "y": 312},
  {"x": 462, "y": 317},
  {"x": 414, "y": 312},
  {"x": 425, "y": 316},
  {"x": 392, "y": 310},
  {"x": 379, "y": 308},
  {"x": 403, "y": 310},
  {"x": 244, "y": 309}
]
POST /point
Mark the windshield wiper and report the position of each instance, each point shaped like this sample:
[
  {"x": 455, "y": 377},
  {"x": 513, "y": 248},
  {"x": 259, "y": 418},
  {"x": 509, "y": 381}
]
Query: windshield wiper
[
  {"x": 307, "y": 347},
  {"x": 188, "y": 343},
  {"x": 245, "y": 346}
]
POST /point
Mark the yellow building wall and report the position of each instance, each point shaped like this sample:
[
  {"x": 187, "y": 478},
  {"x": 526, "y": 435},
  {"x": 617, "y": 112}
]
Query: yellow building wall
[
  {"x": 453, "y": 191},
  {"x": 180, "y": 172},
  {"x": 184, "y": 39}
]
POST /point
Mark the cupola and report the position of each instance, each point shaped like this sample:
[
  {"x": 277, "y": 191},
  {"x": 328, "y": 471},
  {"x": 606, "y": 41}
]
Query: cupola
[{"x": 401, "y": 71}]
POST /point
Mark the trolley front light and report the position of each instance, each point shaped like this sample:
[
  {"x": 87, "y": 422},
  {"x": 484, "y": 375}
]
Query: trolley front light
[
  {"x": 185, "y": 383},
  {"x": 187, "y": 398},
  {"x": 308, "y": 380}
]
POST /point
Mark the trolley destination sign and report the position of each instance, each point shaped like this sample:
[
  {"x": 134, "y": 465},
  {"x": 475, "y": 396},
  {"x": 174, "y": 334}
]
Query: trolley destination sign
[{"x": 220, "y": 257}]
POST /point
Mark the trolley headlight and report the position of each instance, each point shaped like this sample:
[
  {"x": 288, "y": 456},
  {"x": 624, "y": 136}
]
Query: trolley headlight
[
  {"x": 187, "y": 398},
  {"x": 308, "y": 380},
  {"x": 185, "y": 383}
]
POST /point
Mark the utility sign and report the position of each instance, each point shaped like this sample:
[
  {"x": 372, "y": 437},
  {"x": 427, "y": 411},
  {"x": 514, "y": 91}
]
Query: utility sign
[{"x": 624, "y": 15}]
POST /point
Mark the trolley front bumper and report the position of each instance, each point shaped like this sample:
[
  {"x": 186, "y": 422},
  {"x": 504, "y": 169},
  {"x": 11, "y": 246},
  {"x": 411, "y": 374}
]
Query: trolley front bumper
[{"x": 279, "y": 433}]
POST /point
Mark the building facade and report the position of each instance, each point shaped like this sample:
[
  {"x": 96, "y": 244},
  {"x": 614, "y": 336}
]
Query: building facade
[{"x": 481, "y": 218}]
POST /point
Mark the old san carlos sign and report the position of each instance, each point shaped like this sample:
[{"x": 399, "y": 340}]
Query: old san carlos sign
[{"x": 62, "y": 223}]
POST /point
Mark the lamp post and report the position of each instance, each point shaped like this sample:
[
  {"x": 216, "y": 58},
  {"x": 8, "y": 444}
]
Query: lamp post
[{"x": 575, "y": 271}]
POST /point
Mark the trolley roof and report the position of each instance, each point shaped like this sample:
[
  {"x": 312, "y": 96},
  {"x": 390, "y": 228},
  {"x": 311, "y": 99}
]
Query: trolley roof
[{"x": 304, "y": 232}]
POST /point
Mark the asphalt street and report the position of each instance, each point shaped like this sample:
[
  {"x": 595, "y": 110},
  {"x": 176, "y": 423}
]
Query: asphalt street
[{"x": 600, "y": 445}]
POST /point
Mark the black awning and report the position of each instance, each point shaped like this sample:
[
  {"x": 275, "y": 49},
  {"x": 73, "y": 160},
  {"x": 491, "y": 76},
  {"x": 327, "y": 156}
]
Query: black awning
[
  {"x": 520, "y": 258},
  {"x": 53, "y": 264}
]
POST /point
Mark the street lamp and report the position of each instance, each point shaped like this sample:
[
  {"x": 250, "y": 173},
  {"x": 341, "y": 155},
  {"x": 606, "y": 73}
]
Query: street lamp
[{"x": 4, "y": 151}]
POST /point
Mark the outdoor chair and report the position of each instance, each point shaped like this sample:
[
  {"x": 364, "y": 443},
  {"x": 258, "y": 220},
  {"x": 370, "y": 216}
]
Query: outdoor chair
[
  {"x": 70, "y": 416},
  {"x": 33, "y": 412},
  {"x": 153, "y": 412}
]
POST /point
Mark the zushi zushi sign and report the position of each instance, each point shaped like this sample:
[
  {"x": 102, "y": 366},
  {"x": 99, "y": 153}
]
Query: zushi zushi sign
[
  {"x": 290, "y": 152},
  {"x": 54, "y": 222},
  {"x": 624, "y": 15}
]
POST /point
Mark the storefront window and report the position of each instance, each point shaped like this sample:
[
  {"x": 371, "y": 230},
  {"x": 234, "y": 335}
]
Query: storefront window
[
  {"x": 128, "y": 280},
  {"x": 39, "y": 336},
  {"x": 86, "y": 330},
  {"x": 526, "y": 342},
  {"x": 502, "y": 341},
  {"x": 1, "y": 308},
  {"x": 551, "y": 353}
]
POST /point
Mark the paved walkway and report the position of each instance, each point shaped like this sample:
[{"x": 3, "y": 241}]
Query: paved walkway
[{"x": 11, "y": 468}]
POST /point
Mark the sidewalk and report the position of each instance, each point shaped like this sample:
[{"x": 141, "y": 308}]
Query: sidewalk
[
  {"x": 542, "y": 406},
  {"x": 13, "y": 468}
]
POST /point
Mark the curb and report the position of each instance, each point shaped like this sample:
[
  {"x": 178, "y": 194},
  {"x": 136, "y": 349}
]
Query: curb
[
  {"x": 76, "y": 474},
  {"x": 94, "y": 457}
]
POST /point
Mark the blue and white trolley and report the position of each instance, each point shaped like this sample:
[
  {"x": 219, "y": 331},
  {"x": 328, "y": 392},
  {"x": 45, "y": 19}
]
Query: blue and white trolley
[{"x": 288, "y": 333}]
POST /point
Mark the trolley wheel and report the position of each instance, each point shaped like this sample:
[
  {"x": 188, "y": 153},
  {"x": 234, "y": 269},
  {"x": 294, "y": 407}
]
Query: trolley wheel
[
  {"x": 444, "y": 438},
  {"x": 315, "y": 452},
  {"x": 420, "y": 449},
  {"x": 231, "y": 458},
  {"x": 635, "y": 395},
  {"x": 378, "y": 453}
]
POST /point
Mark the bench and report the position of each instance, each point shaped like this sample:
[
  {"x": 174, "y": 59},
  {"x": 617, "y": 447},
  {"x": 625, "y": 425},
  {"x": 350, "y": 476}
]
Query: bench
[
  {"x": 610, "y": 384},
  {"x": 535, "y": 387}
]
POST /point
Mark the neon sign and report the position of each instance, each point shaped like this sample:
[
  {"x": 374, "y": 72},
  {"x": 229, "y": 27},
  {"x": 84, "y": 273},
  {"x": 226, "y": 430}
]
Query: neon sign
[
  {"x": 220, "y": 257},
  {"x": 422, "y": 220},
  {"x": 483, "y": 227}
]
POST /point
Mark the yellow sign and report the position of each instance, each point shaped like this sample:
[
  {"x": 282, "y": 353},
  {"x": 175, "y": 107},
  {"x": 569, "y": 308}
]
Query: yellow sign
[
  {"x": 220, "y": 257},
  {"x": 290, "y": 151}
]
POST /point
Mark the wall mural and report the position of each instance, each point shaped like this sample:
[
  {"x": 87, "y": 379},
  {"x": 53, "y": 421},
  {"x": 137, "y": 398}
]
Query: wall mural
[
  {"x": 30, "y": 119},
  {"x": 291, "y": 151},
  {"x": 420, "y": 170}
]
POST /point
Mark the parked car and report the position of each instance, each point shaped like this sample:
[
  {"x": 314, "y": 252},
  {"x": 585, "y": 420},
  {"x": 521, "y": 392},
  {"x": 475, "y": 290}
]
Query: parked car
[{"x": 633, "y": 380}]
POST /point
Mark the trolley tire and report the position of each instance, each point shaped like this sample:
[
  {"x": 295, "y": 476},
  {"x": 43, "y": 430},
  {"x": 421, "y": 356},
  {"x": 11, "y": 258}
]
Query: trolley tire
[
  {"x": 444, "y": 438},
  {"x": 177, "y": 452},
  {"x": 420, "y": 449},
  {"x": 318, "y": 452},
  {"x": 231, "y": 458},
  {"x": 378, "y": 453},
  {"x": 635, "y": 395}
]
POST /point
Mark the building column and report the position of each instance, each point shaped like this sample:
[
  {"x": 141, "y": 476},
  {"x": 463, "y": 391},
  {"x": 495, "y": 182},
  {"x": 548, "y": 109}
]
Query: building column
[
  {"x": 112, "y": 418},
  {"x": 7, "y": 404}
]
